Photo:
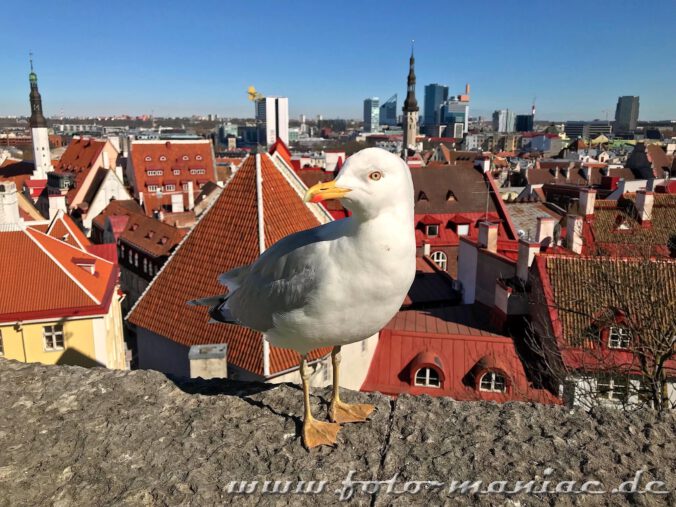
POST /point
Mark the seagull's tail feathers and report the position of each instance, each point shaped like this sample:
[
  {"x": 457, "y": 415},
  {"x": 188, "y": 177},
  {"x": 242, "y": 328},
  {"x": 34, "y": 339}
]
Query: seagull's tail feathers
[
  {"x": 218, "y": 311},
  {"x": 233, "y": 279}
]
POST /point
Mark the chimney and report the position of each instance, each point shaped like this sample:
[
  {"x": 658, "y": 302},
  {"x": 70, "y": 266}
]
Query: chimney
[
  {"x": 587, "y": 200},
  {"x": 527, "y": 251},
  {"x": 545, "y": 231},
  {"x": 105, "y": 159},
  {"x": 644, "y": 205},
  {"x": 57, "y": 202},
  {"x": 574, "y": 225},
  {"x": 585, "y": 172},
  {"x": 9, "y": 203},
  {"x": 488, "y": 236},
  {"x": 426, "y": 248},
  {"x": 191, "y": 197}
]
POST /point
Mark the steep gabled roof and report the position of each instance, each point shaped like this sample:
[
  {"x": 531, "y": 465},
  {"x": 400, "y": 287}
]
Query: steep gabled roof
[
  {"x": 64, "y": 228},
  {"x": 227, "y": 236},
  {"x": 52, "y": 277}
]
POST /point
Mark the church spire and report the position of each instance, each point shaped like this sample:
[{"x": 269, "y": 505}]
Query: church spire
[
  {"x": 37, "y": 118},
  {"x": 411, "y": 104}
]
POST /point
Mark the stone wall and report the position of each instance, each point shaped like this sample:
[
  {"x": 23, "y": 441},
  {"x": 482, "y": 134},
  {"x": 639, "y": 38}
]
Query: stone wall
[{"x": 73, "y": 436}]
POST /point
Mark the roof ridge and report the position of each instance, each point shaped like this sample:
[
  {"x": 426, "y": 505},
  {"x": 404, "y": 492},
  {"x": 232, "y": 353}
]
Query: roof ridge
[
  {"x": 30, "y": 231},
  {"x": 259, "y": 205}
]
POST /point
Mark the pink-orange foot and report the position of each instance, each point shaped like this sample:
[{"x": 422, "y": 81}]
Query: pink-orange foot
[
  {"x": 340, "y": 412},
  {"x": 316, "y": 433}
]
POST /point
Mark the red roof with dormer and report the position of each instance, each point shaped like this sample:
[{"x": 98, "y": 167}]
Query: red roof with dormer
[
  {"x": 459, "y": 344},
  {"x": 159, "y": 165},
  {"x": 55, "y": 279}
]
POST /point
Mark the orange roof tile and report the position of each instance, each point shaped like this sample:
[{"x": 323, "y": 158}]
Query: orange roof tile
[
  {"x": 50, "y": 277},
  {"x": 225, "y": 237},
  {"x": 79, "y": 158},
  {"x": 64, "y": 228}
]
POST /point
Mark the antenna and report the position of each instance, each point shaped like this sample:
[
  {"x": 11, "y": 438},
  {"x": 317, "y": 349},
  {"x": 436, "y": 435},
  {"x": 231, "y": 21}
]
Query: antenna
[{"x": 30, "y": 57}]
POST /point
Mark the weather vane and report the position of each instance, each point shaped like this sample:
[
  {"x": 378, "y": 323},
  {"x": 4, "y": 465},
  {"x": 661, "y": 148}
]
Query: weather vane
[{"x": 30, "y": 57}]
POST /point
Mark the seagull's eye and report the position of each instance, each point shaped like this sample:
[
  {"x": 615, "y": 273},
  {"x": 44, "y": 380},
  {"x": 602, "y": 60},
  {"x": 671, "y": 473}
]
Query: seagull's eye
[{"x": 375, "y": 175}]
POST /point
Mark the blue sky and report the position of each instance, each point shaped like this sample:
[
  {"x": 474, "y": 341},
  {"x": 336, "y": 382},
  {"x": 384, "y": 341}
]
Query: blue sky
[{"x": 181, "y": 58}]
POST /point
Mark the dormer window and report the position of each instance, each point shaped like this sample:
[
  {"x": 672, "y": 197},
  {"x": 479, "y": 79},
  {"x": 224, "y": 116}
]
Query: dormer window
[
  {"x": 450, "y": 196},
  {"x": 422, "y": 196},
  {"x": 134, "y": 227},
  {"x": 169, "y": 188},
  {"x": 493, "y": 382},
  {"x": 153, "y": 188},
  {"x": 198, "y": 157},
  {"x": 148, "y": 159},
  {"x": 163, "y": 158},
  {"x": 427, "y": 377},
  {"x": 619, "y": 337},
  {"x": 463, "y": 229},
  {"x": 432, "y": 230},
  {"x": 177, "y": 172},
  {"x": 186, "y": 158}
]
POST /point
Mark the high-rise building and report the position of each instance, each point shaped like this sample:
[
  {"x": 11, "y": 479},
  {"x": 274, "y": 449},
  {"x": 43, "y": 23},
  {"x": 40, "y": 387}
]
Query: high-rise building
[
  {"x": 372, "y": 114},
  {"x": 626, "y": 113},
  {"x": 524, "y": 122},
  {"x": 504, "y": 120},
  {"x": 454, "y": 112},
  {"x": 39, "y": 132},
  {"x": 388, "y": 111},
  {"x": 435, "y": 96},
  {"x": 272, "y": 117},
  {"x": 410, "y": 110},
  {"x": 587, "y": 129}
]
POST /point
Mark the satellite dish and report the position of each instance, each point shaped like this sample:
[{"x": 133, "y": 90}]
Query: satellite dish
[{"x": 521, "y": 233}]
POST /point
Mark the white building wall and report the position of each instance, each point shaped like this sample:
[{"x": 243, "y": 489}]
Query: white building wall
[
  {"x": 111, "y": 188},
  {"x": 41, "y": 153}
]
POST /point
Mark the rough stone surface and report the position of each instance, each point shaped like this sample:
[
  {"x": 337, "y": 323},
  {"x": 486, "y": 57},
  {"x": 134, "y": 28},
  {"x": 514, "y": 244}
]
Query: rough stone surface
[{"x": 72, "y": 436}]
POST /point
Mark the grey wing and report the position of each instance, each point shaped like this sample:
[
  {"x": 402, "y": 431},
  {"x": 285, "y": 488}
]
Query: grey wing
[{"x": 280, "y": 281}]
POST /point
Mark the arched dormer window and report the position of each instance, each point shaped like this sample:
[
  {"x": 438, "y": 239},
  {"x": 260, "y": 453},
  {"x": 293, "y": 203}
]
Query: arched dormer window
[
  {"x": 427, "y": 377},
  {"x": 148, "y": 159},
  {"x": 186, "y": 157},
  {"x": 440, "y": 259},
  {"x": 198, "y": 157},
  {"x": 163, "y": 158},
  {"x": 493, "y": 382}
]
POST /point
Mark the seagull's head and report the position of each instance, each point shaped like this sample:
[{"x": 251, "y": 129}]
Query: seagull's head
[{"x": 371, "y": 181}]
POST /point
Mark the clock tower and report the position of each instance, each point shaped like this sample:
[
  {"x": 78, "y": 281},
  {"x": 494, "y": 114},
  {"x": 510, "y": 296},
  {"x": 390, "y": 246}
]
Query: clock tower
[
  {"x": 410, "y": 110},
  {"x": 39, "y": 132}
]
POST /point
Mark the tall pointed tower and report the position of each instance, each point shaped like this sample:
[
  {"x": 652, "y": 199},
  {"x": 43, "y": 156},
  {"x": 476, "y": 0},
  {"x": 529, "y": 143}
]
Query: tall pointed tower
[
  {"x": 39, "y": 131},
  {"x": 410, "y": 110}
]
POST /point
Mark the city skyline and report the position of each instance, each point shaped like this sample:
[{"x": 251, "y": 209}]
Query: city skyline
[{"x": 140, "y": 64}]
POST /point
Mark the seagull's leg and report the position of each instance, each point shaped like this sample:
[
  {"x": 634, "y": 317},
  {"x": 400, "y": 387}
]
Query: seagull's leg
[
  {"x": 342, "y": 412},
  {"x": 314, "y": 432}
]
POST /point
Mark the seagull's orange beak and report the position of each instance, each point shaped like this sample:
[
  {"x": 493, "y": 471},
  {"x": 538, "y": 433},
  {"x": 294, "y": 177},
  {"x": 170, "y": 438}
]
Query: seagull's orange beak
[{"x": 324, "y": 192}]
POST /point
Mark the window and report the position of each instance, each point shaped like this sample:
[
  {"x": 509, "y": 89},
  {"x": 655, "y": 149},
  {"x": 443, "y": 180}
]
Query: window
[
  {"x": 197, "y": 171},
  {"x": 432, "y": 230},
  {"x": 427, "y": 377},
  {"x": 2, "y": 346},
  {"x": 129, "y": 256},
  {"x": 440, "y": 259},
  {"x": 612, "y": 388},
  {"x": 148, "y": 159},
  {"x": 177, "y": 172},
  {"x": 493, "y": 382},
  {"x": 145, "y": 265},
  {"x": 155, "y": 173},
  {"x": 136, "y": 259},
  {"x": 169, "y": 188},
  {"x": 153, "y": 188},
  {"x": 186, "y": 157},
  {"x": 163, "y": 158},
  {"x": 463, "y": 229},
  {"x": 619, "y": 338},
  {"x": 53, "y": 336},
  {"x": 198, "y": 157}
]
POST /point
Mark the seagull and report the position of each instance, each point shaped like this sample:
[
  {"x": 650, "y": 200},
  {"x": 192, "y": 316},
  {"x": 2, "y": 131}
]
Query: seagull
[{"x": 335, "y": 284}]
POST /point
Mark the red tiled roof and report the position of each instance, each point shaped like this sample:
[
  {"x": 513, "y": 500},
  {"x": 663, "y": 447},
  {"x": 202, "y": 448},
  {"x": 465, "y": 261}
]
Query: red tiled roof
[
  {"x": 45, "y": 271},
  {"x": 80, "y": 158},
  {"x": 167, "y": 156},
  {"x": 225, "y": 237},
  {"x": 64, "y": 228},
  {"x": 454, "y": 340},
  {"x": 18, "y": 171}
]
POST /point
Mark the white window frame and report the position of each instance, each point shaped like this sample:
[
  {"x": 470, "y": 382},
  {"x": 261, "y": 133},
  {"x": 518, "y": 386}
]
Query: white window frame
[
  {"x": 616, "y": 390},
  {"x": 463, "y": 229},
  {"x": 198, "y": 171},
  {"x": 619, "y": 337},
  {"x": 169, "y": 188},
  {"x": 52, "y": 333},
  {"x": 492, "y": 384},
  {"x": 198, "y": 157},
  {"x": 186, "y": 157},
  {"x": 440, "y": 259},
  {"x": 426, "y": 377},
  {"x": 429, "y": 228},
  {"x": 155, "y": 172},
  {"x": 163, "y": 158},
  {"x": 148, "y": 159},
  {"x": 153, "y": 188},
  {"x": 176, "y": 172}
]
